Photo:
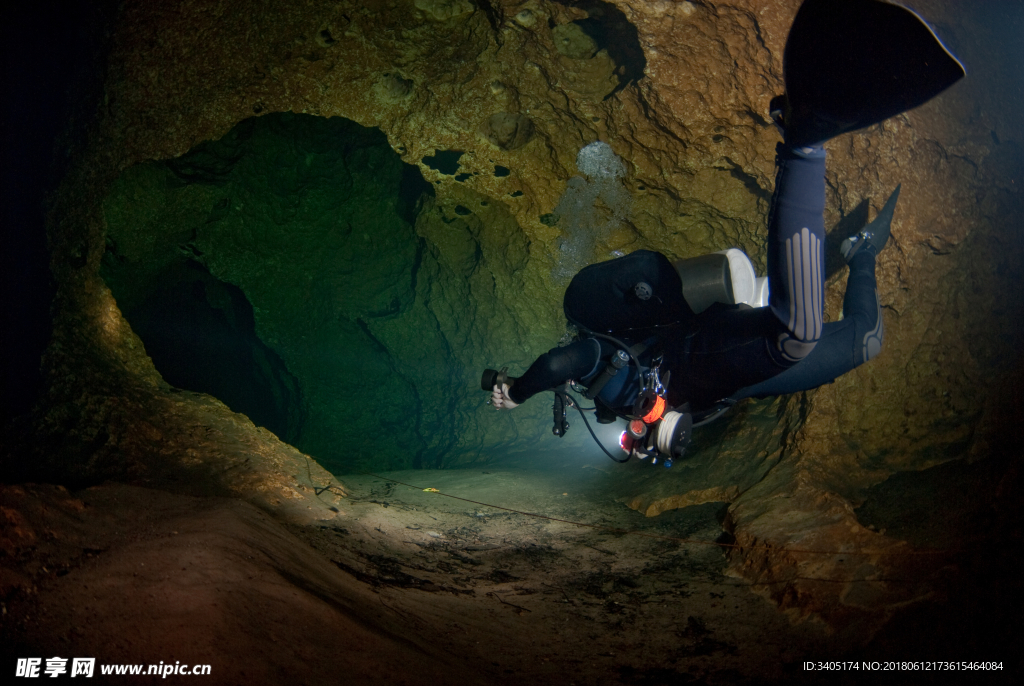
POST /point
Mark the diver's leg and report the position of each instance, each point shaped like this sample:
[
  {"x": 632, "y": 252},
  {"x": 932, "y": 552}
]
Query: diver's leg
[
  {"x": 796, "y": 262},
  {"x": 843, "y": 346},
  {"x": 737, "y": 348},
  {"x": 861, "y": 307}
]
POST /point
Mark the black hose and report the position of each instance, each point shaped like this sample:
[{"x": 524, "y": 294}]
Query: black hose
[
  {"x": 724, "y": 406},
  {"x": 600, "y": 445},
  {"x": 624, "y": 347}
]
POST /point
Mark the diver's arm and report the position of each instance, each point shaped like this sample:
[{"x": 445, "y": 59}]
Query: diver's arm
[{"x": 577, "y": 360}]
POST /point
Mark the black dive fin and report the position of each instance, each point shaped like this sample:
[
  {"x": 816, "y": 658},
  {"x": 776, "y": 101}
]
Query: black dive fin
[
  {"x": 853, "y": 63},
  {"x": 875, "y": 233},
  {"x": 882, "y": 222}
]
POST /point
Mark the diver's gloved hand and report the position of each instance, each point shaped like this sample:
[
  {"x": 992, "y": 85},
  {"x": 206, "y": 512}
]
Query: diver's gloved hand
[
  {"x": 874, "y": 235},
  {"x": 500, "y": 399}
]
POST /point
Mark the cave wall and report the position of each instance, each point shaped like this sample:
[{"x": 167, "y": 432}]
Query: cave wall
[
  {"x": 380, "y": 302},
  {"x": 496, "y": 81},
  {"x": 529, "y": 116}
]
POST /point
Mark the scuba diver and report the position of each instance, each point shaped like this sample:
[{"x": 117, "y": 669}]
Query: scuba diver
[{"x": 670, "y": 347}]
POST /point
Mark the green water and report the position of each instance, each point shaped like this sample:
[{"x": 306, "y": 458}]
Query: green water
[{"x": 298, "y": 270}]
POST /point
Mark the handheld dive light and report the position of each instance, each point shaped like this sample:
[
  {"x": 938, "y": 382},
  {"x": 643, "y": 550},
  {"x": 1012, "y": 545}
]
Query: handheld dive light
[{"x": 493, "y": 377}]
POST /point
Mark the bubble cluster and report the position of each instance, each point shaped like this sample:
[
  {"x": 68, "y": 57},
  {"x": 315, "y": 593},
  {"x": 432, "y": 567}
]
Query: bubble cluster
[
  {"x": 599, "y": 161},
  {"x": 590, "y": 208}
]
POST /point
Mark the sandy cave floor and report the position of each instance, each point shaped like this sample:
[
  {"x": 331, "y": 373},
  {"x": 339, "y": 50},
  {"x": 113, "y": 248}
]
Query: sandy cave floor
[
  {"x": 403, "y": 586},
  {"x": 537, "y": 599}
]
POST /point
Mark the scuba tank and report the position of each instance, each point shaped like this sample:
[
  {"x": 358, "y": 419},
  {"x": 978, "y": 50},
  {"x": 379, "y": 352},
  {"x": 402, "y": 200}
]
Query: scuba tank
[{"x": 726, "y": 277}]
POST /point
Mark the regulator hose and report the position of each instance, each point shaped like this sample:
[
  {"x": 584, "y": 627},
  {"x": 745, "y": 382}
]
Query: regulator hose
[{"x": 572, "y": 401}]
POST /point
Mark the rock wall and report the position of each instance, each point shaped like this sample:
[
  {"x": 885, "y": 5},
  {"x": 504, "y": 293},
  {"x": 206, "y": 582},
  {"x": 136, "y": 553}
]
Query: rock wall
[{"x": 514, "y": 86}]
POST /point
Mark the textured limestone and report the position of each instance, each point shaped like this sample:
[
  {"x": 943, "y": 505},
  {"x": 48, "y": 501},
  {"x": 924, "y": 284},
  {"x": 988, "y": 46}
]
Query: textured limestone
[
  {"x": 508, "y": 131},
  {"x": 698, "y": 148}
]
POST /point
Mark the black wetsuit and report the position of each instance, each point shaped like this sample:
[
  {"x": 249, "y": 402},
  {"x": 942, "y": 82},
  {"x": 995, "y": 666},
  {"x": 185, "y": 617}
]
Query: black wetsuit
[{"x": 734, "y": 352}]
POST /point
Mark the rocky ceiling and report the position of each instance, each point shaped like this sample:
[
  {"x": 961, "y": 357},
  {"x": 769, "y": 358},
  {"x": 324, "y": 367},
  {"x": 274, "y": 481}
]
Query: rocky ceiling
[{"x": 366, "y": 193}]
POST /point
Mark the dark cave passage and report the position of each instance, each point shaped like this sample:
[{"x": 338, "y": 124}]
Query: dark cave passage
[
  {"x": 300, "y": 272},
  {"x": 245, "y": 265},
  {"x": 201, "y": 335}
]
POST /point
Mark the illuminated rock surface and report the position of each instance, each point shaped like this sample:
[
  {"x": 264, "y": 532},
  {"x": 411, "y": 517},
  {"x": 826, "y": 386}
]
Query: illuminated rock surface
[{"x": 361, "y": 199}]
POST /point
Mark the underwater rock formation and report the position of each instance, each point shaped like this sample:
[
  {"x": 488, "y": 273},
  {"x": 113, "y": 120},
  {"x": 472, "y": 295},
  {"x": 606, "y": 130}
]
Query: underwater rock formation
[
  {"x": 313, "y": 220},
  {"x": 508, "y": 131},
  {"x": 273, "y": 146}
]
